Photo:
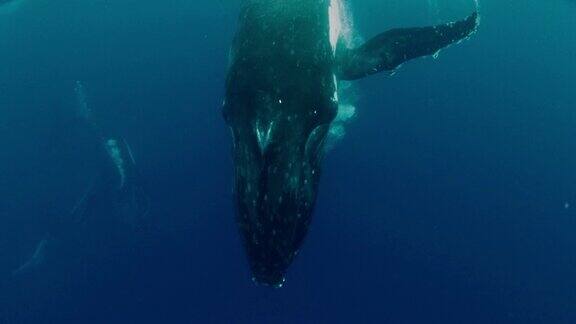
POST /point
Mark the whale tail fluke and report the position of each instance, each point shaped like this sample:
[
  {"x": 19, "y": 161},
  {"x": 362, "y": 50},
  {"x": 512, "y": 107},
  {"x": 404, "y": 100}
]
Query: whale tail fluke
[{"x": 390, "y": 49}]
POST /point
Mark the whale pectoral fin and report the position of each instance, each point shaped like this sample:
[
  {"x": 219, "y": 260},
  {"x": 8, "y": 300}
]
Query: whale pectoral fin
[
  {"x": 37, "y": 259},
  {"x": 388, "y": 50}
]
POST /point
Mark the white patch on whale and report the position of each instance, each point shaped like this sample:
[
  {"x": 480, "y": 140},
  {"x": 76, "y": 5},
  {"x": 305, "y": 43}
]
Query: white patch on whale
[
  {"x": 346, "y": 113},
  {"x": 335, "y": 23},
  {"x": 264, "y": 134},
  {"x": 116, "y": 155},
  {"x": 335, "y": 97},
  {"x": 129, "y": 149},
  {"x": 341, "y": 31}
]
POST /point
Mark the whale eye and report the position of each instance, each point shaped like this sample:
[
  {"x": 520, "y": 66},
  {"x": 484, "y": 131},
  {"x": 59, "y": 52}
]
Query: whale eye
[{"x": 315, "y": 144}]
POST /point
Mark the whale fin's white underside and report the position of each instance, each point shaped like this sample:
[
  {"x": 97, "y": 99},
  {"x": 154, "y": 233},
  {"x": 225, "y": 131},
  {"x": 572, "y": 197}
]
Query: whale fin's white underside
[
  {"x": 36, "y": 260},
  {"x": 340, "y": 34},
  {"x": 115, "y": 154},
  {"x": 335, "y": 23}
]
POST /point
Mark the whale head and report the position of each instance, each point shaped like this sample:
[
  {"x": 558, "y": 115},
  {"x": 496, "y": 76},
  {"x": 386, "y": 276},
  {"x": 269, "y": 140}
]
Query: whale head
[{"x": 278, "y": 147}]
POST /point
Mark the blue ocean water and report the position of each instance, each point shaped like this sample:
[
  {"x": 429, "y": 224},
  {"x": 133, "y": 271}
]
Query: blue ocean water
[{"x": 451, "y": 199}]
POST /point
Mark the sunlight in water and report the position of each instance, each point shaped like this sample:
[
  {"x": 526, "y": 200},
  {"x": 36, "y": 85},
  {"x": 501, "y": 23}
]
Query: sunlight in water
[
  {"x": 434, "y": 9},
  {"x": 10, "y": 7}
]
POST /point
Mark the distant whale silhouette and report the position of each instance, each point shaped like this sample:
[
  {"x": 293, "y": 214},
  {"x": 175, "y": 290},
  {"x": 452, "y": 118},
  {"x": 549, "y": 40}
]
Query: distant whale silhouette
[
  {"x": 281, "y": 98},
  {"x": 114, "y": 201},
  {"x": 115, "y": 197}
]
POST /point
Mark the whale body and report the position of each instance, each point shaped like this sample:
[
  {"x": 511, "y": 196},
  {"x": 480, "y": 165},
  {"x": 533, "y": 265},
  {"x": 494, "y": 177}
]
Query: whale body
[{"x": 281, "y": 98}]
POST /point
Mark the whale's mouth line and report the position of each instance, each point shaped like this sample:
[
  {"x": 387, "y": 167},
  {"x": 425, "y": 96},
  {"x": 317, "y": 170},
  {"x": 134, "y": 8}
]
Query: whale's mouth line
[{"x": 276, "y": 285}]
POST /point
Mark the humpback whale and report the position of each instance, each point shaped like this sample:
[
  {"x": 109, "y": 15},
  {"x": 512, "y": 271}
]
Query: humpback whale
[
  {"x": 114, "y": 206},
  {"x": 281, "y": 97}
]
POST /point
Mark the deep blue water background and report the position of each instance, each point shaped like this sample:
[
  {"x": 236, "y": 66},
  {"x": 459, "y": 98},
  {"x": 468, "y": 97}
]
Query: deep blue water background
[{"x": 449, "y": 200}]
